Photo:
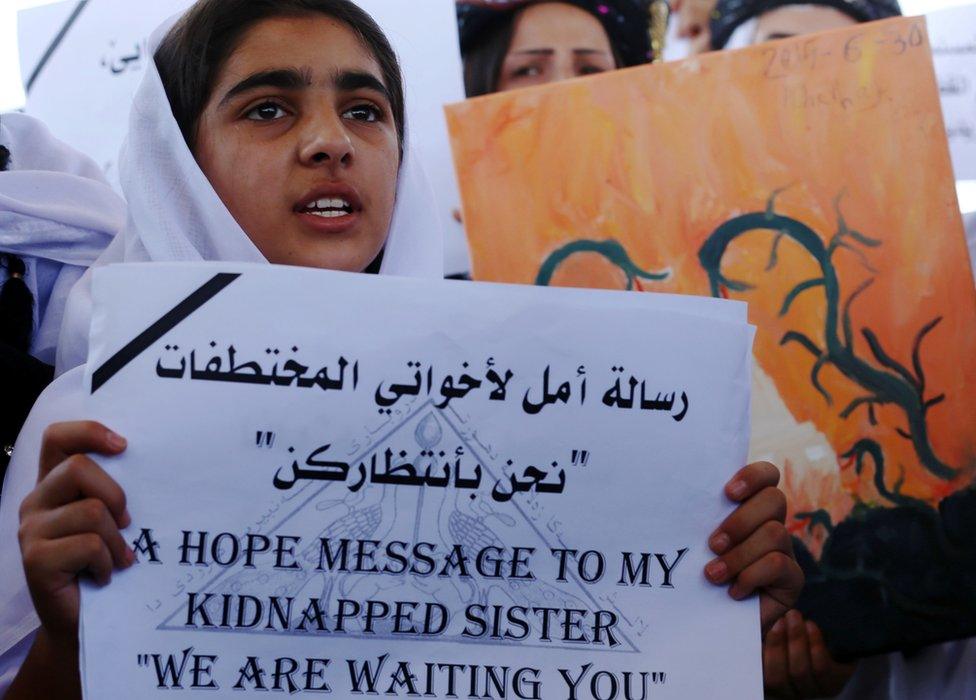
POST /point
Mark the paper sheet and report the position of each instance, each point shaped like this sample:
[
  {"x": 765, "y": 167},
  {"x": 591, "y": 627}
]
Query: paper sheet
[
  {"x": 953, "y": 36},
  {"x": 534, "y": 472}
]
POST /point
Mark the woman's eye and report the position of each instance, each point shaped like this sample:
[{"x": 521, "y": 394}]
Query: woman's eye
[
  {"x": 363, "y": 113},
  {"x": 526, "y": 72},
  {"x": 265, "y": 112},
  {"x": 591, "y": 70}
]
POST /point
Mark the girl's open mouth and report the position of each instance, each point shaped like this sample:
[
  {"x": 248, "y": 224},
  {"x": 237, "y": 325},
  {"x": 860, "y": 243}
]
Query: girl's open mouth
[{"x": 331, "y": 208}]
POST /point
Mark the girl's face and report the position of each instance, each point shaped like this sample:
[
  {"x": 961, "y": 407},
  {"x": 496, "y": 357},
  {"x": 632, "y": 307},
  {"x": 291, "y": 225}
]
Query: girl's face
[
  {"x": 554, "y": 41},
  {"x": 299, "y": 142}
]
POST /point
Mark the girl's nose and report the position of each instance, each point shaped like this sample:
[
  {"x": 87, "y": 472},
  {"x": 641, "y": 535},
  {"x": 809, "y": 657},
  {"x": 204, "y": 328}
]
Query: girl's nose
[{"x": 326, "y": 141}]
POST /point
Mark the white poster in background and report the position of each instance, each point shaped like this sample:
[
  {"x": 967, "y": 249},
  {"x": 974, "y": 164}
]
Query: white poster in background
[
  {"x": 953, "y": 36},
  {"x": 372, "y": 485},
  {"x": 85, "y": 87}
]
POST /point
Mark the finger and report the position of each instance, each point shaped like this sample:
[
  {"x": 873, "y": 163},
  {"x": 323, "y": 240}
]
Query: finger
[
  {"x": 52, "y": 563},
  {"x": 830, "y": 675},
  {"x": 770, "y": 537},
  {"x": 79, "y": 517},
  {"x": 778, "y": 578},
  {"x": 775, "y": 668},
  {"x": 766, "y": 506},
  {"x": 820, "y": 658},
  {"x": 751, "y": 479},
  {"x": 61, "y": 440},
  {"x": 76, "y": 478},
  {"x": 798, "y": 655},
  {"x": 776, "y": 572}
]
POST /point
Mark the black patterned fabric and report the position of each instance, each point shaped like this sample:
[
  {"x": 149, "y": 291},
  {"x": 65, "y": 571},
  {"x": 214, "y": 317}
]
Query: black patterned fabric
[
  {"x": 22, "y": 378},
  {"x": 729, "y": 14},
  {"x": 627, "y": 22}
]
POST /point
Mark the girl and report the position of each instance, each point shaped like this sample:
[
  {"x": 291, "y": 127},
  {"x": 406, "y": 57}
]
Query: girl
[
  {"x": 293, "y": 114},
  {"x": 519, "y": 43}
]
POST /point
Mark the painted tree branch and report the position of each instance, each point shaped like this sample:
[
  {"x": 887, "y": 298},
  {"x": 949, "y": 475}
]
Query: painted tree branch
[
  {"x": 887, "y": 382},
  {"x": 816, "y": 517},
  {"x": 870, "y": 448},
  {"x": 613, "y": 251}
]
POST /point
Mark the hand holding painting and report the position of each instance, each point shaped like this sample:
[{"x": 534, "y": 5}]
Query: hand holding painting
[
  {"x": 756, "y": 551},
  {"x": 797, "y": 663}
]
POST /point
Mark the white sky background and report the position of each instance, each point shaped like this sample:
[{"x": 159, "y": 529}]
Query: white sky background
[
  {"x": 12, "y": 93},
  {"x": 11, "y": 88}
]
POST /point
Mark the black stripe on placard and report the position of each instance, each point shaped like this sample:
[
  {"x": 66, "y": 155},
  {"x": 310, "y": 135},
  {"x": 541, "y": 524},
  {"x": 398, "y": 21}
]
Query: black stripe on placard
[
  {"x": 55, "y": 43},
  {"x": 164, "y": 325}
]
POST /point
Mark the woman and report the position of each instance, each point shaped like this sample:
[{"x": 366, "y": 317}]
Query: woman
[
  {"x": 57, "y": 214},
  {"x": 519, "y": 43},
  {"x": 294, "y": 120},
  {"x": 509, "y": 44},
  {"x": 738, "y": 23}
]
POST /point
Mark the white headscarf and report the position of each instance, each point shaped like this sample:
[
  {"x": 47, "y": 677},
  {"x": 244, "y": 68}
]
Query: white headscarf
[
  {"x": 58, "y": 213},
  {"x": 173, "y": 215}
]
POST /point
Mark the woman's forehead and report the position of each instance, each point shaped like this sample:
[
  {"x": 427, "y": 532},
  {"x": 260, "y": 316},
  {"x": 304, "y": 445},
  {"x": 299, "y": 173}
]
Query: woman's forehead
[
  {"x": 558, "y": 24},
  {"x": 317, "y": 45},
  {"x": 793, "y": 20}
]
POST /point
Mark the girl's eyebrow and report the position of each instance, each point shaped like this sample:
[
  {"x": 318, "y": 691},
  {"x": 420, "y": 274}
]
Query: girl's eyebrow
[
  {"x": 351, "y": 80},
  {"x": 295, "y": 79},
  {"x": 281, "y": 78}
]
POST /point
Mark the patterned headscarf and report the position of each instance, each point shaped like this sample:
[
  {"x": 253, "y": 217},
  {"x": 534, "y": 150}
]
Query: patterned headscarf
[
  {"x": 729, "y": 14},
  {"x": 625, "y": 21}
]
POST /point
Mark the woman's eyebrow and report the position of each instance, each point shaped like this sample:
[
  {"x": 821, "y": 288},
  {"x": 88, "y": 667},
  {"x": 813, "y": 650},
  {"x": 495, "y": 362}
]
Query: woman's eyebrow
[
  {"x": 582, "y": 51},
  {"x": 535, "y": 52},
  {"x": 350, "y": 80},
  {"x": 281, "y": 78}
]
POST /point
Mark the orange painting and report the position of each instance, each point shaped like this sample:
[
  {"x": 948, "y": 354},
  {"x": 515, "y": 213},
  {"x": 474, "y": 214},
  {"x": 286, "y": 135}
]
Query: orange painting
[{"x": 811, "y": 178}]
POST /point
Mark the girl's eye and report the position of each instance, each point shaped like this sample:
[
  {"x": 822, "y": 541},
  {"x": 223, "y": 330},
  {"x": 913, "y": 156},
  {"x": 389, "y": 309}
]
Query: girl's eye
[
  {"x": 265, "y": 112},
  {"x": 591, "y": 70},
  {"x": 363, "y": 113}
]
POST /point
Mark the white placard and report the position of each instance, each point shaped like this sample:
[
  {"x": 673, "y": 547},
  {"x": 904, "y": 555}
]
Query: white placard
[
  {"x": 953, "y": 36},
  {"x": 88, "y": 78},
  {"x": 451, "y": 489}
]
